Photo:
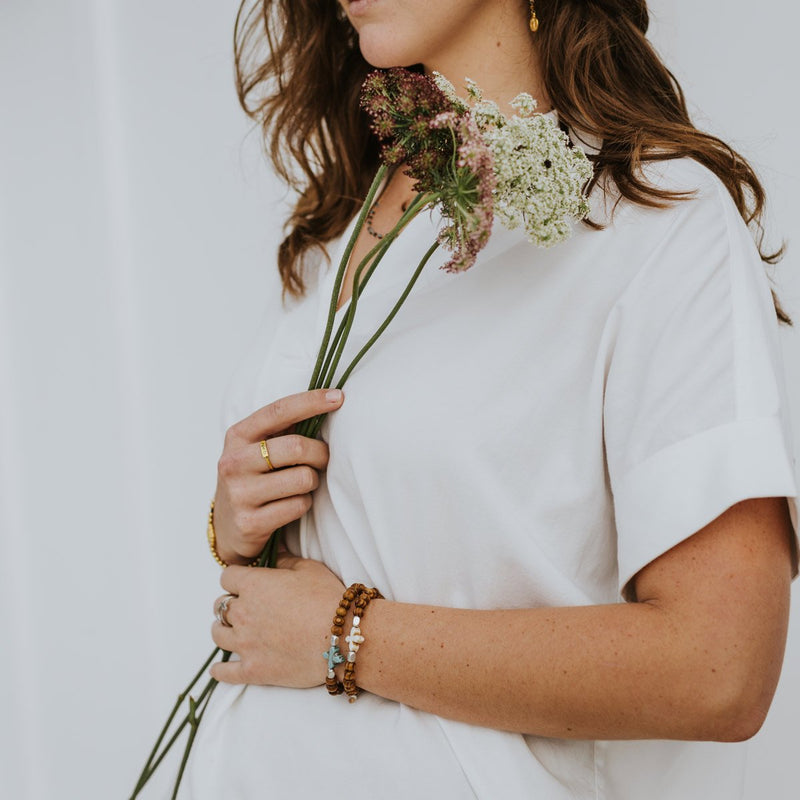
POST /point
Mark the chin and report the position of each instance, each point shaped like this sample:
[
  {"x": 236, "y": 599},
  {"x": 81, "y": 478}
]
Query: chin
[
  {"x": 381, "y": 59},
  {"x": 386, "y": 63},
  {"x": 382, "y": 51}
]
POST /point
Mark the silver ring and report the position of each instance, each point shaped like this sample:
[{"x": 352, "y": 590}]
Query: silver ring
[{"x": 222, "y": 610}]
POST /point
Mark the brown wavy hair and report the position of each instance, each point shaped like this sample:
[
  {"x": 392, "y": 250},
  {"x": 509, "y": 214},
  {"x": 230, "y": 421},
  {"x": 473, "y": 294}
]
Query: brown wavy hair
[{"x": 299, "y": 71}]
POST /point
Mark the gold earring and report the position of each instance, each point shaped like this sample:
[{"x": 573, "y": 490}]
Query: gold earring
[{"x": 534, "y": 23}]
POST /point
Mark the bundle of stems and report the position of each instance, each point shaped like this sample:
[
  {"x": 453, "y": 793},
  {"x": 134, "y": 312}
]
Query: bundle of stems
[{"x": 323, "y": 376}]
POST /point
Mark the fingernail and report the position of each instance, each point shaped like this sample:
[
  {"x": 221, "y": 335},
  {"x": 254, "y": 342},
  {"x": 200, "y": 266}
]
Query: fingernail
[{"x": 333, "y": 395}]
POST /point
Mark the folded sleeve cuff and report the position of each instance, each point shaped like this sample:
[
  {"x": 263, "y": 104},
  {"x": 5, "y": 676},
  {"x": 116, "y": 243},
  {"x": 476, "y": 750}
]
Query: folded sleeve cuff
[{"x": 679, "y": 490}]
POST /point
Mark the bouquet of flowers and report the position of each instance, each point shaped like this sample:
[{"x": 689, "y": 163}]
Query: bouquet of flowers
[{"x": 474, "y": 163}]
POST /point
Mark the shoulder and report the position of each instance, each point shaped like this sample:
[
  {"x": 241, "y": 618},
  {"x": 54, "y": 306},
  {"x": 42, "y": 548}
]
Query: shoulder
[
  {"x": 690, "y": 189},
  {"x": 682, "y": 175},
  {"x": 698, "y": 246},
  {"x": 697, "y": 223},
  {"x": 704, "y": 218}
]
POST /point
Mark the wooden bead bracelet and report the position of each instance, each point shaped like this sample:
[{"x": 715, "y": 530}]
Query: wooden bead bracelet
[{"x": 360, "y": 597}]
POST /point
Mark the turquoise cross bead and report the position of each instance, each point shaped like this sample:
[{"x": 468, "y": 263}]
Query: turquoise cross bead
[{"x": 334, "y": 656}]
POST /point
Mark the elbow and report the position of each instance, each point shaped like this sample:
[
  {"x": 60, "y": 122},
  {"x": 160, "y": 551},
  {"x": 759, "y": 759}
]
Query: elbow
[
  {"x": 735, "y": 712},
  {"x": 741, "y": 725}
]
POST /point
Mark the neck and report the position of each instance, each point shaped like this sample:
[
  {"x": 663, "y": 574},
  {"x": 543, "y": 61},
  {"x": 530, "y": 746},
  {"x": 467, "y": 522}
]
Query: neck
[{"x": 498, "y": 52}]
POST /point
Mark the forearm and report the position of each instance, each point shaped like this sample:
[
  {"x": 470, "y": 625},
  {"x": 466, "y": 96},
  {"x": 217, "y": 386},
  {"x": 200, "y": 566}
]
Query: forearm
[
  {"x": 602, "y": 672},
  {"x": 697, "y": 658},
  {"x": 567, "y": 673}
]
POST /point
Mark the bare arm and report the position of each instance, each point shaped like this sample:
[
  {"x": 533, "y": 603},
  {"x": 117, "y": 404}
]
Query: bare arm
[{"x": 696, "y": 656}]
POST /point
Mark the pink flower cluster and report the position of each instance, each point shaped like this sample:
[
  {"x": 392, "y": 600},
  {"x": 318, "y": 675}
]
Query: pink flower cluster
[
  {"x": 467, "y": 199},
  {"x": 442, "y": 148},
  {"x": 401, "y": 105}
]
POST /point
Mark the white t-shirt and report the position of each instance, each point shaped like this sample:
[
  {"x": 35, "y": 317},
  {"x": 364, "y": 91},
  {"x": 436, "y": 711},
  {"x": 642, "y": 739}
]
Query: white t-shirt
[{"x": 530, "y": 433}]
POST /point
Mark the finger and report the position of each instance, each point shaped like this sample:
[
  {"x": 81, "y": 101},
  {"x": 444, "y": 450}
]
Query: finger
[
  {"x": 249, "y": 495},
  {"x": 287, "y": 482},
  {"x": 288, "y": 509},
  {"x": 288, "y": 451},
  {"x": 287, "y": 411},
  {"x": 286, "y": 560},
  {"x": 241, "y": 463},
  {"x": 228, "y": 672},
  {"x": 223, "y": 637},
  {"x": 256, "y": 525},
  {"x": 233, "y": 578}
]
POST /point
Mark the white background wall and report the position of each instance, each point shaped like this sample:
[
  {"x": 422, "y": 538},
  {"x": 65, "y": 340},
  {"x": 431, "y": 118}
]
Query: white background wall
[{"x": 138, "y": 224}]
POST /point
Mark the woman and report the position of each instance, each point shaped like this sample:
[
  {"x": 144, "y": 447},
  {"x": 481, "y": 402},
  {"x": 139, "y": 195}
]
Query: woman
[{"x": 565, "y": 470}]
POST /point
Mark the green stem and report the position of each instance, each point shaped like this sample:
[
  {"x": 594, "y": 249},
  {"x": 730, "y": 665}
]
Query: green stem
[
  {"x": 325, "y": 378},
  {"x": 345, "y": 260},
  {"x": 320, "y": 380},
  {"x": 207, "y": 691},
  {"x": 385, "y": 324},
  {"x": 269, "y": 555},
  {"x": 335, "y": 354},
  {"x": 414, "y": 208},
  {"x": 194, "y": 722},
  {"x": 178, "y": 703}
]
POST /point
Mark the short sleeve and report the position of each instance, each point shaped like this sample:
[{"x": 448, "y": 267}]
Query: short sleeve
[{"x": 694, "y": 406}]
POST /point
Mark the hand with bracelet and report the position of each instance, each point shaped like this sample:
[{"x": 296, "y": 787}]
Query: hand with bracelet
[
  {"x": 277, "y": 623},
  {"x": 266, "y": 474}
]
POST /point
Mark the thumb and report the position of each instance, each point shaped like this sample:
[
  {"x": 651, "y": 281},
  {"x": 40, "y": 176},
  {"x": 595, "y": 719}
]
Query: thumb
[{"x": 286, "y": 560}]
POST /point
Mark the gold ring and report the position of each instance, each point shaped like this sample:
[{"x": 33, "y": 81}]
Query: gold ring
[{"x": 265, "y": 453}]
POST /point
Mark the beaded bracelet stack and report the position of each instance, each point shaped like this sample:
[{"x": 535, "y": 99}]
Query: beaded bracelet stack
[{"x": 359, "y": 596}]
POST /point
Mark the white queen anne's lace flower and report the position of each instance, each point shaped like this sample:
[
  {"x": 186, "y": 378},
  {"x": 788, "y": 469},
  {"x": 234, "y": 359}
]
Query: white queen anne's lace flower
[
  {"x": 524, "y": 104},
  {"x": 539, "y": 178},
  {"x": 449, "y": 91},
  {"x": 539, "y": 175}
]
